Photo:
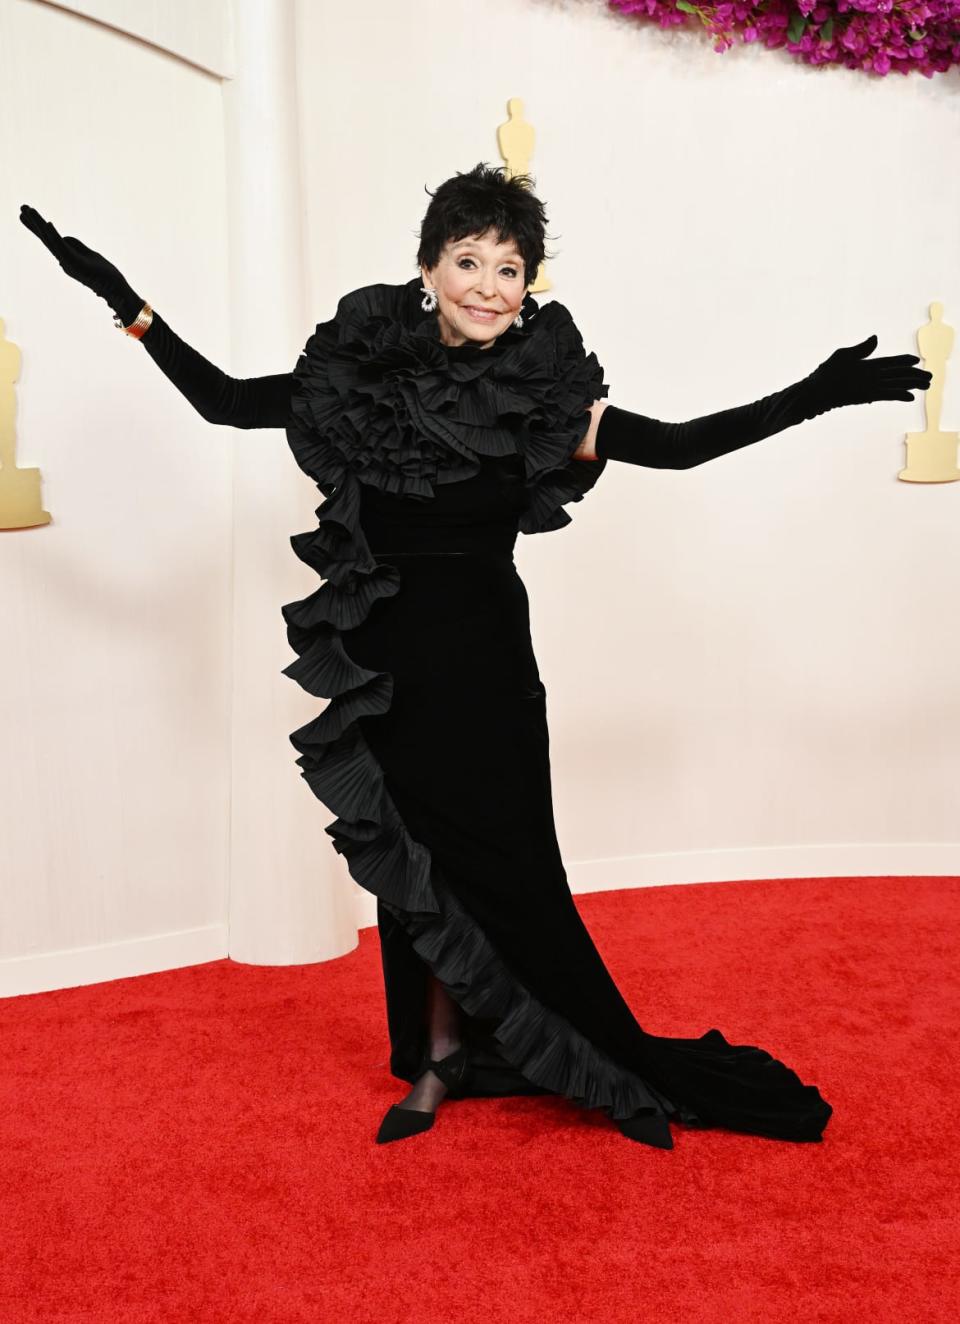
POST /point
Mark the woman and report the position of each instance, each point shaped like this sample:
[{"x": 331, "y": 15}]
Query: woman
[{"x": 439, "y": 418}]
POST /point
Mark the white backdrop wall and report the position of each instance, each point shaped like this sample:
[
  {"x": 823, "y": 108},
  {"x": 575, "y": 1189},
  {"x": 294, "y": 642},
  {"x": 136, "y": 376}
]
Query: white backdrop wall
[
  {"x": 750, "y": 665},
  {"x": 116, "y": 617}
]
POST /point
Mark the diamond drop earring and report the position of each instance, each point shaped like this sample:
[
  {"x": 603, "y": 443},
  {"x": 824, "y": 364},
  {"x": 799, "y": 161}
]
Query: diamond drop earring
[
  {"x": 429, "y": 300},
  {"x": 518, "y": 321}
]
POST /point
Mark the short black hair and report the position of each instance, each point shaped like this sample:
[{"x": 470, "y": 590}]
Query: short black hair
[{"x": 477, "y": 201}]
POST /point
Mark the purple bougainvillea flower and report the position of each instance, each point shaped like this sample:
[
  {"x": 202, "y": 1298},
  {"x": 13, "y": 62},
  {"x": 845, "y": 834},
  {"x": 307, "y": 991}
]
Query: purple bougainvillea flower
[{"x": 876, "y": 36}]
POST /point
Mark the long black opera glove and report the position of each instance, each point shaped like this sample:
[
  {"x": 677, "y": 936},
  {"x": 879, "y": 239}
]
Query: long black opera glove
[
  {"x": 251, "y": 402},
  {"x": 847, "y": 377}
]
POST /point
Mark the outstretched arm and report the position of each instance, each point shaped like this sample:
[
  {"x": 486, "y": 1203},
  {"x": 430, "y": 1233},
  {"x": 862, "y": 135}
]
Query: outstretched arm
[
  {"x": 845, "y": 378},
  {"x": 252, "y": 402}
]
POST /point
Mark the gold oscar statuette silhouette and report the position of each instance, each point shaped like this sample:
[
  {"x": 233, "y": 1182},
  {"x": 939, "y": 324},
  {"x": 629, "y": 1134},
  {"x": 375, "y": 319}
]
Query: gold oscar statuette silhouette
[
  {"x": 20, "y": 506},
  {"x": 515, "y": 141},
  {"x": 932, "y": 454}
]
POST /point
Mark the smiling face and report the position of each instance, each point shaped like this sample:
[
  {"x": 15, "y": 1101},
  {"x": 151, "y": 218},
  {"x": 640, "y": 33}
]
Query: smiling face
[{"x": 480, "y": 287}]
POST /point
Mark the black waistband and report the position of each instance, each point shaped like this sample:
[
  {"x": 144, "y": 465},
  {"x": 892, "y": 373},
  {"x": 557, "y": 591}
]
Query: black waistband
[{"x": 493, "y": 556}]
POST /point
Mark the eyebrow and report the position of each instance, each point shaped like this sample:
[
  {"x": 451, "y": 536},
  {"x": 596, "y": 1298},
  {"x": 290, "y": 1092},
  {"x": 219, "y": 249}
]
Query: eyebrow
[{"x": 468, "y": 243}]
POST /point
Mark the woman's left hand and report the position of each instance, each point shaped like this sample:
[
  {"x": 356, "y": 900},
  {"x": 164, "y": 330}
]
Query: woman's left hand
[
  {"x": 850, "y": 377},
  {"x": 587, "y": 450}
]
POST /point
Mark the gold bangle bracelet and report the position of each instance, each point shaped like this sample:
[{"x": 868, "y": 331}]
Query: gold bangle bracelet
[{"x": 139, "y": 326}]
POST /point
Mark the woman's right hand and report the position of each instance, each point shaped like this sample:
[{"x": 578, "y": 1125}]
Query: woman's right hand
[{"x": 85, "y": 265}]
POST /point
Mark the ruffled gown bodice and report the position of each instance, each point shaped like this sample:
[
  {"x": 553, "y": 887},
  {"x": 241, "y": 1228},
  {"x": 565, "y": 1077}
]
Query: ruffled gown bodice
[{"x": 476, "y": 515}]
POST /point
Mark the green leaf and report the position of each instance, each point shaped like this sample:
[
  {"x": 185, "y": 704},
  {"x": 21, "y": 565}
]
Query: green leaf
[
  {"x": 797, "y": 26},
  {"x": 826, "y": 32},
  {"x": 687, "y": 7}
]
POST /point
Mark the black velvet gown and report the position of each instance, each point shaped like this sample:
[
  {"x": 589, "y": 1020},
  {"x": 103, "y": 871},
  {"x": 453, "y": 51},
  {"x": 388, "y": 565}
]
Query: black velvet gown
[{"x": 433, "y": 751}]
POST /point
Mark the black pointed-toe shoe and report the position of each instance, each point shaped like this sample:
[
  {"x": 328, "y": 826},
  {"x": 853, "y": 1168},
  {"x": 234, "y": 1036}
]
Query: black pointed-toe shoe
[
  {"x": 648, "y": 1128},
  {"x": 399, "y": 1123}
]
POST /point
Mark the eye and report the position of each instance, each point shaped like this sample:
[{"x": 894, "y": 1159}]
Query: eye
[{"x": 511, "y": 271}]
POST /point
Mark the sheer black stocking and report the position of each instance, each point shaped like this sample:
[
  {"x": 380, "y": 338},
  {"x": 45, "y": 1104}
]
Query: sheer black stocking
[{"x": 443, "y": 1027}]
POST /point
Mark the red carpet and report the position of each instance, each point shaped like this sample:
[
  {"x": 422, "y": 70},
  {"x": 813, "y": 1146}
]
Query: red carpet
[{"x": 197, "y": 1145}]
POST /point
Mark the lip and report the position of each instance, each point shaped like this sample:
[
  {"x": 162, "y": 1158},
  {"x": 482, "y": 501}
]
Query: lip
[{"x": 478, "y": 308}]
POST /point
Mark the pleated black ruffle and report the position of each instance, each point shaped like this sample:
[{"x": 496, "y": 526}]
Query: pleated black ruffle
[{"x": 379, "y": 395}]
